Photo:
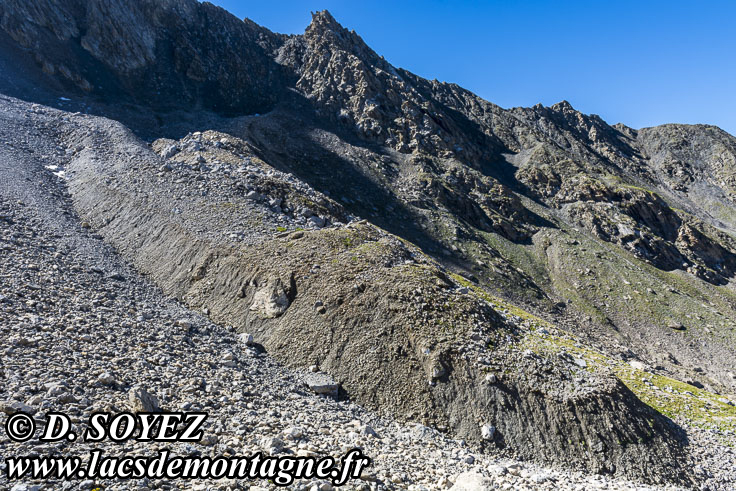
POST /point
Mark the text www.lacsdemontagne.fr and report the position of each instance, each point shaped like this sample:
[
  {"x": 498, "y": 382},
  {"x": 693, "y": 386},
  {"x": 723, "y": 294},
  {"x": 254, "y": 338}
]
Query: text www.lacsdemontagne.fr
[{"x": 281, "y": 470}]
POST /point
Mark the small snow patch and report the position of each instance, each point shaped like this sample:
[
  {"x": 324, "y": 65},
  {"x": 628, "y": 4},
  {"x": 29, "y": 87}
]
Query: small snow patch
[{"x": 55, "y": 170}]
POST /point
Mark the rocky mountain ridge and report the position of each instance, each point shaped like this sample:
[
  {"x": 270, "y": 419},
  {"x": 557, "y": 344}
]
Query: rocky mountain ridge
[{"x": 612, "y": 243}]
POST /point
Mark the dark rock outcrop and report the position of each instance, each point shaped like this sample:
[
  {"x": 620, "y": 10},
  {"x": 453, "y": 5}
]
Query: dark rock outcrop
[{"x": 166, "y": 55}]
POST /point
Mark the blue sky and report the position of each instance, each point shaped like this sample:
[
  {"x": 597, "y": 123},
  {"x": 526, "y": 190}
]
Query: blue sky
[{"x": 642, "y": 63}]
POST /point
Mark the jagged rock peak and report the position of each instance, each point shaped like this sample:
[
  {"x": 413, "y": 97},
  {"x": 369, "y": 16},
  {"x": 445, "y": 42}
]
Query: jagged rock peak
[
  {"x": 562, "y": 106},
  {"x": 323, "y": 19},
  {"x": 325, "y": 33}
]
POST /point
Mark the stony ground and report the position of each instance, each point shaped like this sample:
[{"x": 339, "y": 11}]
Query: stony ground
[{"x": 81, "y": 330}]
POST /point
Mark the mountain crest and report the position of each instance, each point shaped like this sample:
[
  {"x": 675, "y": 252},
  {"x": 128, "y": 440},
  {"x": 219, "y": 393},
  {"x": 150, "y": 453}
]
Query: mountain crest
[{"x": 323, "y": 20}]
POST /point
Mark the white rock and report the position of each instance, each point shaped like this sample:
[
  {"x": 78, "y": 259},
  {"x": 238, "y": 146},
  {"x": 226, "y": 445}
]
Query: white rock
[
  {"x": 369, "y": 431},
  {"x": 55, "y": 390},
  {"x": 472, "y": 481},
  {"x": 141, "y": 401},
  {"x": 35, "y": 400},
  {"x": 272, "y": 444},
  {"x": 317, "y": 221},
  {"x": 421, "y": 432},
  {"x": 321, "y": 383},
  {"x": 293, "y": 433},
  {"x": 487, "y": 431},
  {"x": 25, "y": 487},
  {"x": 169, "y": 151},
  {"x": 540, "y": 478},
  {"x": 271, "y": 300},
  {"x": 208, "y": 440},
  {"x": 106, "y": 378}
]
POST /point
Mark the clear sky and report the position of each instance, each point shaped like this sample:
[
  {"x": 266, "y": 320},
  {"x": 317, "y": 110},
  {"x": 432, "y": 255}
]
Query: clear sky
[{"x": 642, "y": 63}]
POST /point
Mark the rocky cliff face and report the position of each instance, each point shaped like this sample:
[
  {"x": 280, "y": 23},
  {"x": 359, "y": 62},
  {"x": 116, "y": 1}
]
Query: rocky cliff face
[
  {"x": 165, "y": 55},
  {"x": 623, "y": 238}
]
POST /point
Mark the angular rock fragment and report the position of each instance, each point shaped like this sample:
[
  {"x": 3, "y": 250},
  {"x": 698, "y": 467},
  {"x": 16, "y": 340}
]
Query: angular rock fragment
[
  {"x": 270, "y": 300},
  {"x": 143, "y": 402},
  {"x": 472, "y": 481},
  {"x": 321, "y": 383}
]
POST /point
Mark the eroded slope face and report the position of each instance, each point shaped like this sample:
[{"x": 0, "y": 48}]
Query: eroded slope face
[{"x": 400, "y": 333}]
